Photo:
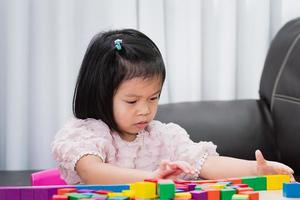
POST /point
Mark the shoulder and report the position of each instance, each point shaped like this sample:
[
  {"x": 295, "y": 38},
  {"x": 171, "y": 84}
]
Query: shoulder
[
  {"x": 167, "y": 130},
  {"x": 84, "y": 128}
]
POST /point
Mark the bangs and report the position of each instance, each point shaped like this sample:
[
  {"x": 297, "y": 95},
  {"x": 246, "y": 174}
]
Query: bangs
[{"x": 145, "y": 69}]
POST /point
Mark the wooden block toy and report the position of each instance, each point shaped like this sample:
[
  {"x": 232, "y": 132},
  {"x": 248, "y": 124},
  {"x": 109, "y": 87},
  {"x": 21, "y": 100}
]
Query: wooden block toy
[
  {"x": 239, "y": 190},
  {"x": 115, "y": 194},
  {"x": 275, "y": 182},
  {"x": 227, "y": 193},
  {"x": 255, "y": 182},
  {"x": 118, "y": 198},
  {"x": 62, "y": 191},
  {"x": 199, "y": 195},
  {"x": 191, "y": 186},
  {"x": 59, "y": 197},
  {"x": 217, "y": 186},
  {"x": 113, "y": 188},
  {"x": 77, "y": 196},
  {"x": 183, "y": 195},
  {"x": 253, "y": 195},
  {"x": 241, "y": 185},
  {"x": 145, "y": 190},
  {"x": 128, "y": 193},
  {"x": 212, "y": 194},
  {"x": 291, "y": 190},
  {"x": 166, "y": 190},
  {"x": 234, "y": 180},
  {"x": 240, "y": 197}
]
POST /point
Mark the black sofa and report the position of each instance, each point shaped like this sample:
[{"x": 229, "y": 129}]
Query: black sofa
[{"x": 271, "y": 123}]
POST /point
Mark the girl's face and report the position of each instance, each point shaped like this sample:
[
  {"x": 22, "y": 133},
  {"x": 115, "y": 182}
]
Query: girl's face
[{"x": 135, "y": 105}]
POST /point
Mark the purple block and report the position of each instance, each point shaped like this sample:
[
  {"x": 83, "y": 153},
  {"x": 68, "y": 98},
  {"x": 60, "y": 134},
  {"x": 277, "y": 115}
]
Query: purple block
[
  {"x": 198, "y": 195},
  {"x": 26, "y": 194},
  {"x": 191, "y": 186},
  {"x": 11, "y": 193}
]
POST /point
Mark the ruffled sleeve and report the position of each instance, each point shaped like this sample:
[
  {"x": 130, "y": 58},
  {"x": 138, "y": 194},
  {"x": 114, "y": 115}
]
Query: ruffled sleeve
[
  {"x": 184, "y": 149},
  {"x": 77, "y": 139}
]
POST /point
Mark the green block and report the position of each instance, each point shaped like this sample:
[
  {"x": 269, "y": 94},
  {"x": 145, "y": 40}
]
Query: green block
[
  {"x": 250, "y": 181},
  {"x": 166, "y": 190},
  {"x": 261, "y": 183},
  {"x": 226, "y": 194},
  {"x": 76, "y": 196},
  {"x": 239, "y": 197},
  {"x": 198, "y": 187},
  {"x": 118, "y": 198},
  {"x": 256, "y": 182}
]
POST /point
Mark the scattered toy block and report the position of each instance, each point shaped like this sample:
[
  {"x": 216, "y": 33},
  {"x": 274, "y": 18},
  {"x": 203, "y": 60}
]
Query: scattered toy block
[
  {"x": 166, "y": 190},
  {"x": 145, "y": 190},
  {"x": 59, "y": 197},
  {"x": 253, "y": 195},
  {"x": 291, "y": 190},
  {"x": 212, "y": 194},
  {"x": 240, "y": 197},
  {"x": 183, "y": 195},
  {"x": 275, "y": 182},
  {"x": 199, "y": 195},
  {"x": 227, "y": 193}
]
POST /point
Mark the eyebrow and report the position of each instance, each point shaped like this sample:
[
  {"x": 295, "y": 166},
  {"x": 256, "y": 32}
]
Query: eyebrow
[{"x": 133, "y": 95}]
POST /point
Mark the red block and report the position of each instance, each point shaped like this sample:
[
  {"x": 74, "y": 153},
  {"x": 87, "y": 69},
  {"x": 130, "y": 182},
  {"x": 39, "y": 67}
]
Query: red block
[
  {"x": 103, "y": 191},
  {"x": 241, "y": 185},
  {"x": 59, "y": 197}
]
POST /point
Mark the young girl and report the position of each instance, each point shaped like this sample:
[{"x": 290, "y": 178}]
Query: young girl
[{"x": 113, "y": 137}]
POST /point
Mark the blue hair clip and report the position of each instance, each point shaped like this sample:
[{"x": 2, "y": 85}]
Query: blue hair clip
[{"x": 118, "y": 44}]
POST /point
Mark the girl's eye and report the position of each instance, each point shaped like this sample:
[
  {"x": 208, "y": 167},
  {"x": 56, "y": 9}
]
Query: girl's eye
[
  {"x": 153, "y": 98},
  {"x": 131, "y": 102}
]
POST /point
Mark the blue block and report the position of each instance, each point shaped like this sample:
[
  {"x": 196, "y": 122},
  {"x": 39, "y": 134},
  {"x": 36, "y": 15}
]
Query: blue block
[
  {"x": 113, "y": 188},
  {"x": 291, "y": 190}
]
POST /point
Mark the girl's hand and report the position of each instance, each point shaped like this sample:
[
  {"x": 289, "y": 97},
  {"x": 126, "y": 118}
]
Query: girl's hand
[
  {"x": 170, "y": 170},
  {"x": 265, "y": 167}
]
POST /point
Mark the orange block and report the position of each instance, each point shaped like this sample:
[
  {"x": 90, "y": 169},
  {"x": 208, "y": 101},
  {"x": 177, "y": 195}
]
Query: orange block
[
  {"x": 234, "y": 180},
  {"x": 243, "y": 189},
  {"x": 253, "y": 195},
  {"x": 212, "y": 194},
  {"x": 62, "y": 191}
]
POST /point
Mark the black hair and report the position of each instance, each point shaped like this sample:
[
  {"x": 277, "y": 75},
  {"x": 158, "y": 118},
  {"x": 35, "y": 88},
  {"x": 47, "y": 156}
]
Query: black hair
[{"x": 105, "y": 67}]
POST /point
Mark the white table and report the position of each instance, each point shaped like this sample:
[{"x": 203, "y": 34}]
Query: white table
[{"x": 273, "y": 195}]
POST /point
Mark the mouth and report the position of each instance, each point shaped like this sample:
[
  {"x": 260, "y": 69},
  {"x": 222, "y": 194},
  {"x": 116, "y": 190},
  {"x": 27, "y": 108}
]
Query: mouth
[{"x": 141, "y": 125}]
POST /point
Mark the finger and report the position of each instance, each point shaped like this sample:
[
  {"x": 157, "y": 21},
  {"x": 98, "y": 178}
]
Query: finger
[
  {"x": 292, "y": 178},
  {"x": 186, "y": 167},
  {"x": 260, "y": 158},
  {"x": 163, "y": 164}
]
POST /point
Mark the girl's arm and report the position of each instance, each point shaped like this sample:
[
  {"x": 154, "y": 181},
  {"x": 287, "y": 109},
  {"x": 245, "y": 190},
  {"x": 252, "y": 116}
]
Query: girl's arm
[
  {"x": 92, "y": 170},
  {"x": 217, "y": 167}
]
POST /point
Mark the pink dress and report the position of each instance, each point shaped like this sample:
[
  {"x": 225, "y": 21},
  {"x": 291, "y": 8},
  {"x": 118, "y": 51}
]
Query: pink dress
[{"x": 157, "y": 142}]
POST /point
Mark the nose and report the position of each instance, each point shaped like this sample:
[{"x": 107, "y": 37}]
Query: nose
[{"x": 144, "y": 109}]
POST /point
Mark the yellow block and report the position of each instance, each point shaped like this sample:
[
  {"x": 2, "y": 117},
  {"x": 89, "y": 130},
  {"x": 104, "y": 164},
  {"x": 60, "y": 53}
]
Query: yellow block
[
  {"x": 115, "y": 194},
  {"x": 145, "y": 190},
  {"x": 275, "y": 182},
  {"x": 183, "y": 195},
  {"x": 128, "y": 193},
  {"x": 217, "y": 186}
]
